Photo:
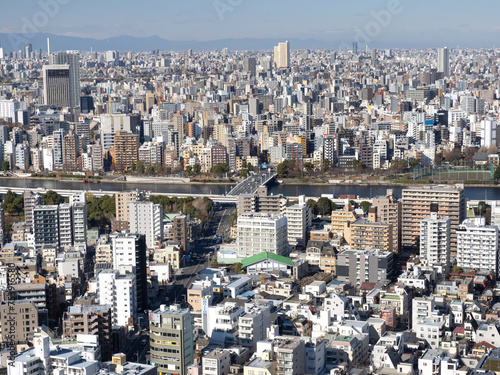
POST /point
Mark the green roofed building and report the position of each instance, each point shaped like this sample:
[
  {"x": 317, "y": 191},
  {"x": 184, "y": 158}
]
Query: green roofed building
[{"x": 266, "y": 262}]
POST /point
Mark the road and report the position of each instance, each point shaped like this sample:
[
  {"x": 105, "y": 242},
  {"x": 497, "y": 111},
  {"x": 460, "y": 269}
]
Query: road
[
  {"x": 138, "y": 347},
  {"x": 202, "y": 251},
  {"x": 252, "y": 183}
]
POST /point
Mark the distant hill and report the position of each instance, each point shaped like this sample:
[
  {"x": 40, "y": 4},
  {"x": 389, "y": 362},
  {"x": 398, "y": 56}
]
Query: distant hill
[{"x": 15, "y": 42}]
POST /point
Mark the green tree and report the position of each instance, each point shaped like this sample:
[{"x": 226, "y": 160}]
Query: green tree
[
  {"x": 150, "y": 170},
  {"x": 481, "y": 208},
  {"x": 365, "y": 205},
  {"x": 5, "y": 165},
  {"x": 237, "y": 267},
  {"x": 324, "y": 206},
  {"x": 244, "y": 173},
  {"x": 159, "y": 168},
  {"x": 213, "y": 262},
  {"x": 52, "y": 198},
  {"x": 196, "y": 168},
  {"x": 140, "y": 167},
  {"x": 326, "y": 165},
  {"x": 314, "y": 206},
  {"x": 309, "y": 166},
  {"x": 497, "y": 173},
  {"x": 220, "y": 169},
  {"x": 282, "y": 169},
  {"x": 189, "y": 170}
]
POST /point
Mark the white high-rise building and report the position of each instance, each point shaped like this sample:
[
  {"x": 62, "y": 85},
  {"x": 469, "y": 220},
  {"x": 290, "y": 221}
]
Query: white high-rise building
[
  {"x": 444, "y": 61},
  {"x": 72, "y": 59},
  {"x": 488, "y": 132},
  {"x": 477, "y": 245},
  {"x": 65, "y": 225},
  {"x": 147, "y": 218},
  {"x": 120, "y": 292},
  {"x": 435, "y": 240},
  {"x": 262, "y": 232},
  {"x": 299, "y": 219},
  {"x": 282, "y": 55},
  {"x": 80, "y": 225}
]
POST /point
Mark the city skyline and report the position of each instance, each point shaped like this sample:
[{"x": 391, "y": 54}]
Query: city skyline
[{"x": 379, "y": 24}]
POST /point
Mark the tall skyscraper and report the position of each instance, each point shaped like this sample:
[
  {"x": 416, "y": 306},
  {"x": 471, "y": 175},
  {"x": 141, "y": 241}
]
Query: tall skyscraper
[
  {"x": 444, "y": 61},
  {"x": 282, "y": 55},
  {"x": 355, "y": 48},
  {"x": 249, "y": 65},
  {"x": 72, "y": 59},
  {"x": 56, "y": 85}
]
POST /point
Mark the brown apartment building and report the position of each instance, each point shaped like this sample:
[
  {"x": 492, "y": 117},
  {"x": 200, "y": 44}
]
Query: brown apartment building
[
  {"x": 125, "y": 151},
  {"x": 90, "y": 320},
  {"x": 450, "y": 201}
]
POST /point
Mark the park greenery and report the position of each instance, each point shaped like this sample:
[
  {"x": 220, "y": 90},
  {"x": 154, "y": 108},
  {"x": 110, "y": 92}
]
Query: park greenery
[{"x": 195, "y": 207}]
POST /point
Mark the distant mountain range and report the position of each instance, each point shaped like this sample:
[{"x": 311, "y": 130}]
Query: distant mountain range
[{"x": 15, "y": 42}]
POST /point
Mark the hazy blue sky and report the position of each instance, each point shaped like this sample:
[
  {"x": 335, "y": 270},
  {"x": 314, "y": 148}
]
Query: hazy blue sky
[{"x": 417, "y": 22}]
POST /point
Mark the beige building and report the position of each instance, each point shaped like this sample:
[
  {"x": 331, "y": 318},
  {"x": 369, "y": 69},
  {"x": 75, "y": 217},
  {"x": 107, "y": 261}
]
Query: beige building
[
  {"x": 448, "y": 202},
  {"x": 389, "y": 211},
  {"x": 168, "y": 254},
  {"x": 282, "y": 55},
  {"x": 365, "y": 234},
  {"x": 122, "y": 203},
  {"x": 104, "y": 251},
  {"x": 341, "y": 217},
  {"x": 25, "y": 321}
]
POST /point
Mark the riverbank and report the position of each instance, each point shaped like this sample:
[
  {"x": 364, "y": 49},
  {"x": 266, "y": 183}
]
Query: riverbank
[{"x": 285, "y": 181}]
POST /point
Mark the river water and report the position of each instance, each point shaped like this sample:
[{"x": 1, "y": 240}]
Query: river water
[{"x": 471, "y": 192}]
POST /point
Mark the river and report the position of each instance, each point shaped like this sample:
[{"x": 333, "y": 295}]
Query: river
[{"x": 471, "y": 192}]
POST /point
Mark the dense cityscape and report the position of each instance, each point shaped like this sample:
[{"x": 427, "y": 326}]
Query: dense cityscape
[{"x": 102, "y": 278}]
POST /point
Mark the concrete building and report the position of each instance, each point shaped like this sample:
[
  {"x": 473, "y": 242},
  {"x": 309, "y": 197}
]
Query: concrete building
[
  {"x": 365, "y": 234},
  {"x": 282, "y": 55},
  {"x": 46, "y": 226},
  {"x": 56, "y": 85},
  {"x": 417, "y": 203},
  {"x": 31, "y": 200},
  {"x": 261, "y": 202},
  {"x": 358, "y": 266},
  {"x": 171, "y": 339},
  {"x": 181, "y": 234},
  {"x": 22, "y": 328},
  {"x": 72, "y": 60},
  {"x": 147, "y": 218},
  {"x": 340, "y": 218},
  {"x": 444, "y": 61},
  {"x": 389, "y": 211},
  {"x": 477, "y": 246},
  {"x": 261, "y": 232},
  {"x": 90, "y": 320},
  {"x": 129, "y": 257},
  {"x": 125, "y": 151},
  {"x": 110, "y": 285},
  {"x": 435, "y": 241},
  {"x": 122, "y": 204},
  {"x": 217, "y": 362},
  {"x": 299, "y": 219}
]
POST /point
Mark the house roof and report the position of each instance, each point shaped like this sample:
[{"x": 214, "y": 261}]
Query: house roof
[{"x": 263, "y": 256}]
